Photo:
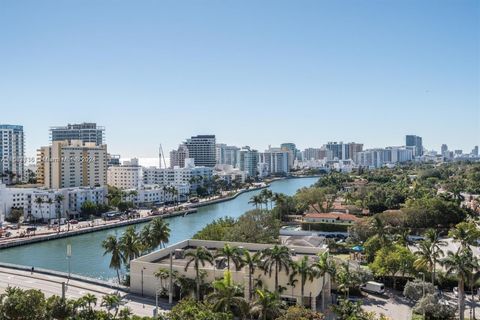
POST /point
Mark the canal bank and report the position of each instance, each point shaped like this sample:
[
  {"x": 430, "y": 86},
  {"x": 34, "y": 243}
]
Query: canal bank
[
  {"x": 87, "y": 253},
  {"x": 192, "y": 208}
]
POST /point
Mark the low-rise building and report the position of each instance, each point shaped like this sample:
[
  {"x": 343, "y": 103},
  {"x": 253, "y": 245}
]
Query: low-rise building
[
  {"x": 144, "y": 282},
  {"x": 229, "y": 174},
  {"x": 126, "y": 176},
  {"x": 44, "y": 204},
  {"x": 331, "y": 217}
]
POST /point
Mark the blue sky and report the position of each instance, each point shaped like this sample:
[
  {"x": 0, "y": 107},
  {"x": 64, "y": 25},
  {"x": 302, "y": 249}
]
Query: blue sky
[{"x": 251, "y": 72}]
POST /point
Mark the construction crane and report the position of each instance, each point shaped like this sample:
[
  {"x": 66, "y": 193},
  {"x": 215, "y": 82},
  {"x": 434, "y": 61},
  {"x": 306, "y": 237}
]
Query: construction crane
[{"x": 161, "y": 157}]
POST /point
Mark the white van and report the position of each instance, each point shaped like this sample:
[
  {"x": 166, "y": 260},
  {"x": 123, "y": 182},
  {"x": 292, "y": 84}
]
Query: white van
[{"x": 373, "y": 287}]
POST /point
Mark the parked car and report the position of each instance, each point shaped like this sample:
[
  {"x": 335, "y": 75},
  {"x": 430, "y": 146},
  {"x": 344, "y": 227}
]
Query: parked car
[{"x": 73, "y": 221}]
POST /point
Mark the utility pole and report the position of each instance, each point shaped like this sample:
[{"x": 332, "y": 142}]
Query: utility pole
[{"x": 69, "y": 256}]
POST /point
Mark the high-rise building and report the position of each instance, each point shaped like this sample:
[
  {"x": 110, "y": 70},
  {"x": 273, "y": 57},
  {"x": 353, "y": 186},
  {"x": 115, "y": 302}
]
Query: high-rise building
[
  {"x": 444, "y": 149},
  {"x": 84, "y": 132},
  {"x": 67, "y": 164},
  {"x": 247, "y": 161},
  {"x": 226, "y": 154},
  {"x": 12, "y": 153},
  {"x": 415, "y": 143},
  {"x": 202, "y": 149},
  {"x": 313, "y": 154},
  {"x": 344, "y": 151},
  {"x": 177, "y": 157},
  {"x": 292, "y": 148},
  {"x": 475, "y": 151},
  {"x": 278, "y": 161}
]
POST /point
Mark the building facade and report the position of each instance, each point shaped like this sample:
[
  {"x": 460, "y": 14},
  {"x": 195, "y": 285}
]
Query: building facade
[
  {"x": 42, "y": 204},
  {"x": 226, "y": 154},
  {"x": 414, "y": 143},
  {"x": 201, "y": 148},
  {"x": 85, "y": 132},
  {"x": 126, "y": 176},
  {"x": 12, "y": 154},
  {"x": 69, "y": 164},
  {"x": 177, "y": 157},
  {"x": 277, "y": 160},
  {"x": 247, "y": 161}
]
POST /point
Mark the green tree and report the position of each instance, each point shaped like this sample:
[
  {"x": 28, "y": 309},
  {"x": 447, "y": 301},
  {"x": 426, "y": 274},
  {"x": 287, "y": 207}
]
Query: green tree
[
  {"x": 229, "y": 253},
  {"x": 267, "y": 305},
  {"x": 391, "y": 260},
  {"x": 227, "y": 297},
  {"x": 276, "y": 259},
  {"x": 112, "y": 303},
  {"x": 112, "y": 246},
  {"x": 198, "y": 256},
  {"x": 306, "y": 271},
  {"x": 251, "y": 261},
  {"x": 130, "y": 245},
  {"x": 326, "y": 267},
  {"x": 460, "y": 263}
]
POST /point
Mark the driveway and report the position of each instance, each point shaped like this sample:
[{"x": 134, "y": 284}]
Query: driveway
[{"x": 392, "y": 304}]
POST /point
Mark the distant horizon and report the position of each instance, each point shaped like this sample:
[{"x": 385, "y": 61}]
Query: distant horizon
[
  {"x": 250, "y": 72},
  {"x": 149, "y": 157}
]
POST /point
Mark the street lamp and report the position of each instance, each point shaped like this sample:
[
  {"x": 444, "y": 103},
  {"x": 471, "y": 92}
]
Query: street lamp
[{"x": 170, "y": 288}]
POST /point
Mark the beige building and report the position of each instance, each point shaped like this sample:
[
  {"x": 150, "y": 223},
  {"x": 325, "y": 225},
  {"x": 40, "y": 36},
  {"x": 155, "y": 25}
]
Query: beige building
[
  {"x": 126, "y": 176},
  {"x": 67, "y": 164},
  {"x": 143, "y": 281}
]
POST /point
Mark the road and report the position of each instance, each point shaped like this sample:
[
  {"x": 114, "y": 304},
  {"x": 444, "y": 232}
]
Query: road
[{"x": 52, "y": 285}]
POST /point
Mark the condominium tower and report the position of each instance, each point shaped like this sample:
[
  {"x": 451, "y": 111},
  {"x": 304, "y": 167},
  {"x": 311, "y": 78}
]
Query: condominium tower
[
  {"x": 85, "y": 132},
  {"x": 202, "y": 149},
  {"x": 12, "y": 152}
]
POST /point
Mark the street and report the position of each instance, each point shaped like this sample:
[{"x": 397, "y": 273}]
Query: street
[{"x": 52, "y": 285}]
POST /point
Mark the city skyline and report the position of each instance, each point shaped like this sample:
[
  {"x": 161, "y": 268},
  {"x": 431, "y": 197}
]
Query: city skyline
[{"x": 290, "y": 72}]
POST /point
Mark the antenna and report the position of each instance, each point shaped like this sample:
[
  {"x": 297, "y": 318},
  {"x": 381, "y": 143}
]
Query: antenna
[{"x": 161, "y": 157}]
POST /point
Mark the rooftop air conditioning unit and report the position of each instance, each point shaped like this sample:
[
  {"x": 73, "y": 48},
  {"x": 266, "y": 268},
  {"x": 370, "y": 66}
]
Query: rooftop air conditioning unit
[{"x": 179, "y": 254}]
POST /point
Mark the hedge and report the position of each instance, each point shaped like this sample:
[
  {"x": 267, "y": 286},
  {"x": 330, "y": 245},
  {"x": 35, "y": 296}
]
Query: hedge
[{"x": 327, "y": 227}]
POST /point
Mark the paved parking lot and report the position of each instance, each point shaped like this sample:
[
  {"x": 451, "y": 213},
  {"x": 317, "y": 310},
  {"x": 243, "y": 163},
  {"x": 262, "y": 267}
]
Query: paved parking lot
[{"x": 392, "y": 304}]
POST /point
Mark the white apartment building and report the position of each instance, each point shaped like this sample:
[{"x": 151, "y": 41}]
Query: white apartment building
[
  {"x": 278, "y": 161},
  {"x": 126, "y": 176},
  {"x": 228, "y": 173},
  {"x": 189, "y": 175},
  {"x": 247, "y": 161},
  {"x": 12, "y": 152},
  {"x": 155, "y": 195},
  {"x": 68, "y": 164},
  {"x": 46, "y": 204},
  {"x": 376, "y": 158},
  {"x": 226, "y": 154}
]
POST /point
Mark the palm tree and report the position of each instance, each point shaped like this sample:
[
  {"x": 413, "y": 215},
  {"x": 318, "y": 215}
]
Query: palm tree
[
  {"x": 162, "y": 274},
  {"x": 306, "y": 271},
  {"x": 292, "y": 283},
  {"x": 58, "y": 199},
  {"x": 112, "y": 246},
  {"x": 380, "y": 229},
  {"x": 325, "y": 266},
  {"x": 125, "y": 314},
  {"x": 346, "y": 279},
  {"x": 90, "y": 300},
  {"x": 111, "y": 302},
  {"x": 267, "y": 305},
  {"x": 276, "y": 259},
  {"x": 227, "y": 296},
  {"x": 256, "y": 200},
  {"x": 460, "y": 263},
  {"x": 130, "y": 245},
  {"x": 146, "y": 238},
  {"x": 466, "y": 233},
  {"x": 436, "y": 243},
  {"x": 160, "y": 232},
  {"x": 251, "y": 261},
  {"x": 198, "y": 256},
  {"x": 228, "y": 253},
  {"x": 39, "y": 202}
]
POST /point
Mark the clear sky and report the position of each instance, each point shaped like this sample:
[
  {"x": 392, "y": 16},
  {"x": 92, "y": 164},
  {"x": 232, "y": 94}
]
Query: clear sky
[{"x": 252, "y": 72}]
